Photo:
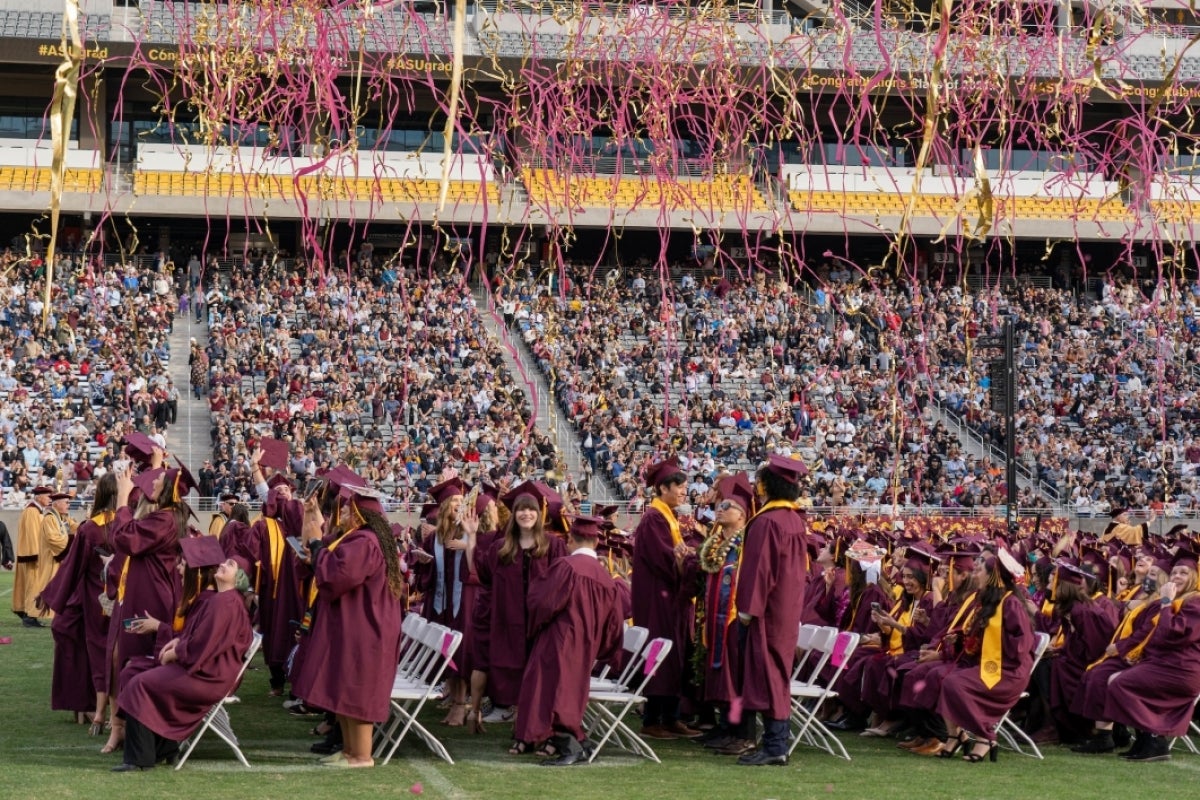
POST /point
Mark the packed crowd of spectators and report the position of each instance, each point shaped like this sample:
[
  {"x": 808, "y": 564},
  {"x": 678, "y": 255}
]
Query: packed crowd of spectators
[
  {"x": 388, "y": 369},
  {"x": 69, "y": 390},
  {"x": 723, "y": 372}
]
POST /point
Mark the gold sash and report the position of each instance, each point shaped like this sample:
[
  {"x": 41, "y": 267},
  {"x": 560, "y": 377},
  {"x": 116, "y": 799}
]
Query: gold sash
[
  {"x": 276, "y": 543},
  {"x": 991, "y": 656},
  {"x": 669, "y": 514}
]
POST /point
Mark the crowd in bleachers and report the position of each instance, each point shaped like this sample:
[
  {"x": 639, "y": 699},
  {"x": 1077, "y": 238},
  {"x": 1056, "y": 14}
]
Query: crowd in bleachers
[
  {"x": 69, "y": 390},
  {"x": 842, "y": 373},
  {"x": 389, "y": 370},
  {"x": 738, "y": 371}
]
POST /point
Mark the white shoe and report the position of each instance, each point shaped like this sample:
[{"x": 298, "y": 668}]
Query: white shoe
[
  {"x": 290, "y": 704},
  {"x": 231, "y": 699},
  {"x": 500, "y": 714}
]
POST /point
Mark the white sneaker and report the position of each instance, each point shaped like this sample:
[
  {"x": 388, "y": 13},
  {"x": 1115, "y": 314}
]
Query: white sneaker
[
  {"x": 290, "y": 704},
  {"x": 501, "y": 714},
  {"x": 231, "y": 699}
]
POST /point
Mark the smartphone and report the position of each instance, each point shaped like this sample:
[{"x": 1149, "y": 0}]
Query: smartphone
[
  {"x": 875, "y": 607},
  {"x": 1149, "y": 585},
  {"x": 313, "y": 487},
  {"x": 102, "y": 551},
  {"x": 127, "y": 624},
  {"x": 299, "y": 547}
]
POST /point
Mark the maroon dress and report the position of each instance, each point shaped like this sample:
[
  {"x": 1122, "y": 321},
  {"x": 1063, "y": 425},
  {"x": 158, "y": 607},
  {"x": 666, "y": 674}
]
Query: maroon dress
[
  {"x": 1157, "y": 694},
  {"x": 280, "y": 599},
  {"x": 662, "y": 598},
  {"x": 354, "y": 643},
  {"x": 574, "y": 619},
  {"x": 79, "y": 627},
  {"x": 921, "y": 683},
  {"x": 508, "y": 642},
  {"x": 771, "y": 590},
  {"x": 1087, "y": 629},
  {"x": 966, "y": 700},
  {"x": 172, "y": 699},
  {"x": 881, "y": 673},
  {"x": 1093, "y": 690},
  {"x": 150, "y": 547},
  {"x": 477, "y": 632}
]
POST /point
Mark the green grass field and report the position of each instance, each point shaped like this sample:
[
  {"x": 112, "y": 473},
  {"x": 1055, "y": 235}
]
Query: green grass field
[{"x": 44, "y": 754}]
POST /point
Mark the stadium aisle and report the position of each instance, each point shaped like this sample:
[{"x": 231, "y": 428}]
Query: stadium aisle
[{"x": 189, "y": 437}]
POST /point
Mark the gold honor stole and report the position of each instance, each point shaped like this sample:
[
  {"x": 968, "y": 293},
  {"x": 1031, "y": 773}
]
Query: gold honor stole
[
  {"x": 966, "y": 605},
  {"x": 1124, "y": 629},
  {"x": 991, "y": 655},
  {"x": 896, "y": 637},
  {"x": 312, "y": 589},
  {"x": 276, "y": 543},
  {"x": 1135, "y": 654},
  {"x": 669, "y": 514}
]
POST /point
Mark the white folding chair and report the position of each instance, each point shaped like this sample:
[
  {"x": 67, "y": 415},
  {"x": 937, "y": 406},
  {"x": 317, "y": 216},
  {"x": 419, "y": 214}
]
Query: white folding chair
[
  {"x": 1008, "y": 732},
  {"x": 1193, "y": 730},
  {"x": 633, "y": 643},
  {"x": 832, "y": 647},
  {"x": 609, "y": 706},
  {"x": 414, "y": 687},
  {"x": 217, "y": 717},
  {"x": 804, "y": 647}
]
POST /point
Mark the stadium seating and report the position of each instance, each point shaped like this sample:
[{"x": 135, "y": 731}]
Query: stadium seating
[{"x": 724, "y": 193}]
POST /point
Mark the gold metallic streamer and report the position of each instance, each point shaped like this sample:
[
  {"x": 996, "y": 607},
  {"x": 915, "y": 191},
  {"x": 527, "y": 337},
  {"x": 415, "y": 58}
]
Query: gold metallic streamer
[
  {"x": 460, "y": 34},
  {"x": 62, "y": 111}
]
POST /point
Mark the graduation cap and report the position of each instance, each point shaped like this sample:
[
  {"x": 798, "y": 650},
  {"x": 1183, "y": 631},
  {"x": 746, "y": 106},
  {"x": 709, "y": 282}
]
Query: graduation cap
[
  {"x": 1185, "y": 557},
  {"x": 144, "y": 481},
  {"x": 488, "y": 494},
  {"x": 139, "y": 447},
  {"x": 275, "y": 453},
  {"x": 606, "y": 511},
  {"x": 229, "y": 497},
  {"x": 364, "y": 498},
  {"x": 181, "y": 481},
  {"x": 549, "y": 501},
  {"x": 429, "y": 512},
  {"x": 279, "y": 479},
  {"x": 54, "y": 498},
  {"x": 615, "y": 544},
  {"x": 920, "y": 556},
  {"x": 202, "y": 551},
  {"x": 737, "y": 489},
  {"x": 789, "y": 469},
  {"x": 814, "y": 542},
  {"x": 42, "y": 490},
  {"x": 1071, "y": 572},
  {"x": 587, "y": 527},
  {"x": 453, "y": 487},
  {"x": 667, "y": 471}
]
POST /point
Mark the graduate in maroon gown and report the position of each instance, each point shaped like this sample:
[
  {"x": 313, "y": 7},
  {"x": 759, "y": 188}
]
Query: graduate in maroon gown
[
  {"x": 770, "y": 602},
  {"x": 524, "y": 552},
  {"x": 355, "y": 635},
  {"x": 276, "y": 579},
  {"x": 148, "y": 541},
  {"x": 665, "y": 581},
  {"x": 478, "y": 599},
  {"x": 1125, "y": 649},
  {"x": 574, "y": 619},
  {"x": 163, "y": 704},
  {"x": 993, "y": 666},
  {"x": 441, "y": 571},
  {"x": 720, "y": 557},
  {"x": 80, "y": 625},
  {"x": 856, "y": 607},
  {"x": 1087, "y": 623},
  {"x": 1156, "y": 695}
]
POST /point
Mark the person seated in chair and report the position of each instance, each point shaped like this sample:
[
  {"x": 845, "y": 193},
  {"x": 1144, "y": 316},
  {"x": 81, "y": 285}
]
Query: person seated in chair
[{"x": 164, "y": 704}]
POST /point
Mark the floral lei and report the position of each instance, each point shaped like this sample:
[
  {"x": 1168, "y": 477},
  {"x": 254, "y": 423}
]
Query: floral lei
[{"x": 715, "y": 549}]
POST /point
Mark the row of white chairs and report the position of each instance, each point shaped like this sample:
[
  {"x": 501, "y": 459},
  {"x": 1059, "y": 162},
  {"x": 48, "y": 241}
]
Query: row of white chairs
[{"x": 427, "y": 650}]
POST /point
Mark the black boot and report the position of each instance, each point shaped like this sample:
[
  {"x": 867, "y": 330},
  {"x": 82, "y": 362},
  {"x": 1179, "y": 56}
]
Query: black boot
[
  {"x": 1120, "y": 735},
  {"x": 1139, "y": 744},
  {"x": 1102, "y": 742},
  {"x": 1157, "y": 749}
]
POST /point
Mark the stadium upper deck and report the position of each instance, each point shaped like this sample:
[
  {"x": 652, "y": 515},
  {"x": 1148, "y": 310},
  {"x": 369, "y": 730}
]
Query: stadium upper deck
[{"x": 129, "y": 155}]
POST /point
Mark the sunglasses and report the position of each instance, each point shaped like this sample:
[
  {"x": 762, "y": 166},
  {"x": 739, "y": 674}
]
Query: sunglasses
[{"x": 725, "y": 505}]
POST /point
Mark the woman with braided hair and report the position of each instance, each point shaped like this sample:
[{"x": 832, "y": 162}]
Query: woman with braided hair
[{"x": 355, "y": 630}]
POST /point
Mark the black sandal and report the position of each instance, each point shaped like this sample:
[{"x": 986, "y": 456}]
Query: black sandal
[
  {"x": 519, "y": 748},
  {"x": 975, "y": 758},
  {"x": 547, "y": 750},
  {"x": 960, "y": 741}
]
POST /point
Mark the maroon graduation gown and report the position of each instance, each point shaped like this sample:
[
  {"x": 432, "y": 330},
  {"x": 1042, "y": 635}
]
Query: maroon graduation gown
[
  {"x": 966, "y": 701},
  {"x": 771, "y": 590},
  {"x": 508, "y": 642},
  {"x": 172, "y": 699},
  {"x": 881, "y": 672},
  {"x": 236, "y": 543},
  {"x": 1157, "y": 693},
  {"x": 280, "y": 602},
  {"x": 921, "y": 683},
  {"x": 152, "y": 585},
  {"x": 575, "y": 618},
  {"x": 454, "y": 572},
  {"x": 820, "y": 600},
  {"x": 354, "y": 644},
  {"x": 1087, "y": 631},
  {"x": 478, "y": 634},
  {"x": 662, "y": 597},
  {"x": 1093, "y": 689},
  {"x": 857, "y": 619}
]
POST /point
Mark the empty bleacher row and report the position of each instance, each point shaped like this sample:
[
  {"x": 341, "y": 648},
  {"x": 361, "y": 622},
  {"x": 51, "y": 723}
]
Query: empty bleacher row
[
  {"x": 945, "y": 206},
  {"x": 286, "y": 187},
  {"x": 722, "y": 193}
]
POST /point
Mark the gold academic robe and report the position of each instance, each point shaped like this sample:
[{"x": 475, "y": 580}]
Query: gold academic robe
[
  {"x": 54, "y": 538},
  {"x": 29, "y": 532},
  {"x": 217, "y": 524}
]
